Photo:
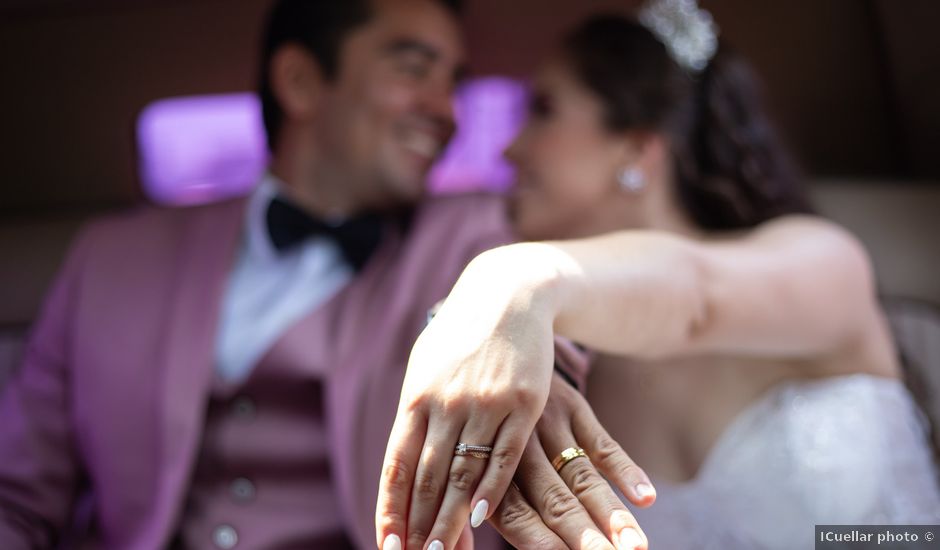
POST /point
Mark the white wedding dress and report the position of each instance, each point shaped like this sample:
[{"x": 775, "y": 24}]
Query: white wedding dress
[{"x": 845, "y": 450}]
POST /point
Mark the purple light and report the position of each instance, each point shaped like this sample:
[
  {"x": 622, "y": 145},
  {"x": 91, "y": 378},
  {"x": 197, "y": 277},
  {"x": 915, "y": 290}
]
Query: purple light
[
  {"x": 490, "y": 112},
  {"x": 196, "y": 150}
]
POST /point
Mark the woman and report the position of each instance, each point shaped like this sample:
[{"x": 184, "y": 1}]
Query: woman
[{"x": 742, "y": 357}]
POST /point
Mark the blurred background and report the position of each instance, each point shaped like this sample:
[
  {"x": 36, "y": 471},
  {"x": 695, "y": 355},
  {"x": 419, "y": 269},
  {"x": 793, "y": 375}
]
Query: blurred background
[{"x": 854, "y": 86}]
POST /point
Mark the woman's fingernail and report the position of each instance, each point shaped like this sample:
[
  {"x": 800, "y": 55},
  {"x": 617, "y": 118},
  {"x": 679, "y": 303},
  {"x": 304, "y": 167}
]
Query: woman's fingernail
[
  {"x": 644, "y": 490},
  {"x": 436, "y": 545},
  {"x": 392, "y": 542},
  {"x": 479, "y": 513},
  {"x": 630, "y": 539}
]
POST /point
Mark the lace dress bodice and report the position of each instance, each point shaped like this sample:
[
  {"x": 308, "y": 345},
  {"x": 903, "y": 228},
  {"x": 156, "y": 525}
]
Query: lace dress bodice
[{"x": 844, "y": 450}]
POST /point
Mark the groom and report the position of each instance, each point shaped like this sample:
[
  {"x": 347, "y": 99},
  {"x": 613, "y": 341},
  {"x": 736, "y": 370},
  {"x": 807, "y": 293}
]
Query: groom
[{"x": 226, "y": 376}]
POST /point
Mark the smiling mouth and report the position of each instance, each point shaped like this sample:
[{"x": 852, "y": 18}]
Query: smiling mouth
[{"x": 423, "y": 144}]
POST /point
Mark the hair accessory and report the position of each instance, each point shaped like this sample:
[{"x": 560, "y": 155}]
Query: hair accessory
[{"x": 688, "y": 31}]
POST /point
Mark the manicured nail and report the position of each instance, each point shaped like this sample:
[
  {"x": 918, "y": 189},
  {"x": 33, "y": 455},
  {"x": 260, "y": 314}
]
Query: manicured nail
[
  {"x": 436, "y": 545},
  {"x": 644, "y": 490},
  {"x": 392, "y": 542},
  {"x": 630, "y": 539},
  {"x": 479, "y": 513}
]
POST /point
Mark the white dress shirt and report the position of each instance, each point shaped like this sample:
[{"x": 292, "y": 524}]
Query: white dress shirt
[{"x": 269, "y": 291}]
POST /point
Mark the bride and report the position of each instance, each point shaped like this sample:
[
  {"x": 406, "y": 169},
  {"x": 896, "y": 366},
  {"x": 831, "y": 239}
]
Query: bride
[{"x": 740, "y": 356}]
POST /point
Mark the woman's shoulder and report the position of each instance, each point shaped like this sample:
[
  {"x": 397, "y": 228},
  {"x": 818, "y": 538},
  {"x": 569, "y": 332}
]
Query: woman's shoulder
[
  {"x": 809, "y": 230},
  {"x": 871, "y": 350}
]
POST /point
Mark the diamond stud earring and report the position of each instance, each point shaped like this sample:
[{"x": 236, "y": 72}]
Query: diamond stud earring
[{"x": 631, "y": 179}]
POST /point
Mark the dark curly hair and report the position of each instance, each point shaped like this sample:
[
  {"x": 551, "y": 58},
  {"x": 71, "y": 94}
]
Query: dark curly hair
[{"x": 731, "y": 169}]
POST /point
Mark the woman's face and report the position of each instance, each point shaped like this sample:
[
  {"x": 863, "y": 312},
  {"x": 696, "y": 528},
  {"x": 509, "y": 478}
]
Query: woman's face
[{"x": 566, "y": 162}]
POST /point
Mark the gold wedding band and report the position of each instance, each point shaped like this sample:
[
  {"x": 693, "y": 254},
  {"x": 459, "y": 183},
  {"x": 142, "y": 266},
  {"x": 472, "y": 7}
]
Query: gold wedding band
[{"x": 567, "y": 456}]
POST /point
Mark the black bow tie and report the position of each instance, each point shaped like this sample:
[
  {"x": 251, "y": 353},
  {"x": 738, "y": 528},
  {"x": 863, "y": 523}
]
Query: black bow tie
[{"x": 357, "y": 237}]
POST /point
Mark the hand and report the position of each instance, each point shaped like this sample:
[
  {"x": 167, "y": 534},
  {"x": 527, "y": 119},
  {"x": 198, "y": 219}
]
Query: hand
[
  {"x": 479, "y": 374},
  {"x": 575, "y": 507}
]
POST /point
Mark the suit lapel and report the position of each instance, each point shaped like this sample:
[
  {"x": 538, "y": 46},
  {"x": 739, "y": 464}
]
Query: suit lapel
[
  {"x": 363, "y": 389},
  {"x": 209, "y": 240}
]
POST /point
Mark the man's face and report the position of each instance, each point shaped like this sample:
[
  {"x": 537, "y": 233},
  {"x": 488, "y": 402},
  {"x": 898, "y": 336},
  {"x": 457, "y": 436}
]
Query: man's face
[{"x": 388, "y": 114}]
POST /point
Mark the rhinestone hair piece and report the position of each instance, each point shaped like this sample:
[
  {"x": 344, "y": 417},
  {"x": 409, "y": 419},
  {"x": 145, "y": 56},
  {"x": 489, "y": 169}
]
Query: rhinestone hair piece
[{"x": 688, "y": 32}]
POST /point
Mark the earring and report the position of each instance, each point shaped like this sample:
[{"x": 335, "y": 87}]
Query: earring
[{"x": 631, "y": 179}]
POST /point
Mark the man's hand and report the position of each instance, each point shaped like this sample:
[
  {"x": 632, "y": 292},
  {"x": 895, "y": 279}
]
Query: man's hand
[{"x": 574, "y": 507}]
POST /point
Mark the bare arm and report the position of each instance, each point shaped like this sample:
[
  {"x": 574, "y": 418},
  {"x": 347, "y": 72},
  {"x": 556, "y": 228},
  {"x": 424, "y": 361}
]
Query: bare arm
[{"x": 797, "y": 287}]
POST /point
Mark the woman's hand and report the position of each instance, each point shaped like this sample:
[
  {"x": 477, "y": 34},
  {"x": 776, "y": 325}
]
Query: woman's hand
[{"x": 479, "y": 374}]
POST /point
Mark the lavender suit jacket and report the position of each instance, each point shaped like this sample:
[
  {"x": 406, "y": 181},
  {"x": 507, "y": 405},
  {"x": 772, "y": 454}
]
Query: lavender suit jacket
[{"x": 104, "y": 419}]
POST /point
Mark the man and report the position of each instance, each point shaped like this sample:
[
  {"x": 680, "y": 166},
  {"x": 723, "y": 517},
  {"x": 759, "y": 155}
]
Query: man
[{"x": 226, "y": 376}]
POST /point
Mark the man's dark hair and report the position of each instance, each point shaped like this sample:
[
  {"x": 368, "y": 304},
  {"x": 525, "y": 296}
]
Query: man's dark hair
[{"x": 320, "y": 26}]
